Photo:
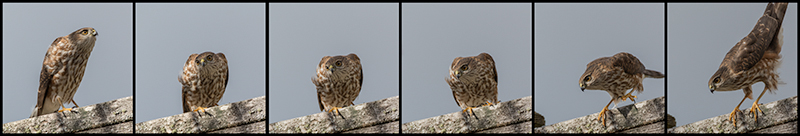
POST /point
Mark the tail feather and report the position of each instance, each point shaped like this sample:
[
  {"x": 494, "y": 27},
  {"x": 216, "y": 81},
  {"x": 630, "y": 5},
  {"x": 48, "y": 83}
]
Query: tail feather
[{"x": 653, "y": 74}]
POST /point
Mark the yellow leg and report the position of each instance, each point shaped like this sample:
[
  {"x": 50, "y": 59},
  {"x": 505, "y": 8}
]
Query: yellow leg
[
  {"x": 76, "y": 104},
  {"x": 335, "y": 109},
  {"x": 629, "y": 96},
  {"x": 755, "y": 106},
  {"x": 733, "y": 113},
  {"x": 201, "y": 109},
  {"x": 603, "y": 112},
  {"x": 488, "y": 104},
  {"x": 65, "y": 108},
  {"x": 467, "y": 109}
]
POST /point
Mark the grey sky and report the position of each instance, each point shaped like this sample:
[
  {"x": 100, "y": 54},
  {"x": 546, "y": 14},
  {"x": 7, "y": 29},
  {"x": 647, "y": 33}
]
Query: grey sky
[
  {"x": 166, "y": 34},
  {"x": 435, "y": 34},
  {"x": 28, "y": 30},
  {"x": 699, "y": 35},
  {"x": 301, "y": 34},
  {"x": 569, "y": 36}
]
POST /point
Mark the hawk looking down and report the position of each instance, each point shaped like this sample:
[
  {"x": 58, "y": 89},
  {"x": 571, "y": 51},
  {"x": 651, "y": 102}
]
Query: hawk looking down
[
  {"x": 62, "y": 70},
  {"x": 204, "y": 79},
  {"x": 338, "y": 81},
  {"x": 615, "y": 75},
  {"x": 473, "y": 81},
  {"x": 753, "y": 59}
]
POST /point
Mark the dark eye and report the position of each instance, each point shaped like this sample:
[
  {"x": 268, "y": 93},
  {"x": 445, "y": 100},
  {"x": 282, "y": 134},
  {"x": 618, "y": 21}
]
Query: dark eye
[
  {"x": 339, "y": 63},
  {"x": 716, "y": 80},
  {"x": 587, "y": 78},
  {"x": 197, "y": 61},
  {"x": 84, "y": 32},
  {"x": 464, "y": 67},
  {"x": 209, "y": 58}
]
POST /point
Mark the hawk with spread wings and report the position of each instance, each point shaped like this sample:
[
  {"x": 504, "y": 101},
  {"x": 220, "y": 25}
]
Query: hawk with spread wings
[
  {"x": 338, "y": 81},
  {"x": 615, "y": 75},
  {"x": 204, "y": 79},
  {"x": 473, "y": 81},
  {"x": 62, "y": 70},
  {"x": 753, "y": 59}
]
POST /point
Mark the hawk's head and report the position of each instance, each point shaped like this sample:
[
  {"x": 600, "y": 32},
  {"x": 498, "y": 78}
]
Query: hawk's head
[
  {"x": 338, "y": 67},
  {"x": 469, "y": 69},
  {"x": 208, "y": 62},
  {"x": 720, "y": 80},
  {"x": 594, "y": 71}
]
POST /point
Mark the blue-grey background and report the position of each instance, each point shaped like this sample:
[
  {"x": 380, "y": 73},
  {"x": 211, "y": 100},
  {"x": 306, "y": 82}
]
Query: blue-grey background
[
  {"x": 28, "y": 30},
  {"x": 300, "y": 34},
  {"x": 166, "y": 34},
  {"x": 569, "y": 36},
  {"x": 698, "y": 37}
]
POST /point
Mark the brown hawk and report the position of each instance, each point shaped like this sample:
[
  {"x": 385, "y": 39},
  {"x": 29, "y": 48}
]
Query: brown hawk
[
  {"x": 615, "y": 75},
  {"x": 62, "y": 70},
  {"x": 338, "y": 81},
  {"x": 473, "y": 81},
  {"x": 204, "y": 79},
  {"x": 753, "y": 59}
]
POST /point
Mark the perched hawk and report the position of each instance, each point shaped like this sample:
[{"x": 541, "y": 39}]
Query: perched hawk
[
  {"x": 473, "y": 81},
  {"x": 338, "y": 81},
  {"x": 615, "y": 75},
  {"x": 753, "y": 59},
  {"x": 62, "y": 70},
  {"x": 204, "y": 79}
]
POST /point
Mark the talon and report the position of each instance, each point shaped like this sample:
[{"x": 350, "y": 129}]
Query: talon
[
  {"x": 732, "y": 116},
  {"x": 335, "y": 109},
  {"x": 602, "y": 114},
  {"x": 467, "y": 109},
  {"x": 201, "y": 109},
  {"x": 488, "y": 104},
  {"x": 65, "y": 109},
  {"x": 628, "y": 96},
  {"x": 753, "y": 110}
]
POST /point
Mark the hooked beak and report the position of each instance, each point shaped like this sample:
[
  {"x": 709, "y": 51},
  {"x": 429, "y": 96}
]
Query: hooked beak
[
  {"x": 583, "y": 87},
  {"x": 458, "y": 74},
  {"x": 712, "y": 87},
  {"x": 202, "y": 62},
  {"x": 331, "y": 68}
]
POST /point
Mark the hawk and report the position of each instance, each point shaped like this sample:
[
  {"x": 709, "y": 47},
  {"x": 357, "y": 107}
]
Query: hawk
[
  {"x": 204, "y": 79},
  {"x": 62, "y": 70},
  {"x": 473, "y": 81},
  {"x": 338, "y": 81},
  {"x": 753, "y": 59},
  {"x": 615, "y": 75}
]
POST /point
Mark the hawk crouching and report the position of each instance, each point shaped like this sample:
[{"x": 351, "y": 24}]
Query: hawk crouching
[
  {"x": 615, "y": 75},
  {"x": 753, "y": 59}
]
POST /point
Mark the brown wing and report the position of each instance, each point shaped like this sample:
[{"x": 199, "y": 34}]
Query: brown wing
[
  {"x": 317, "y": 83},
  {"x": 184, "y": 89},
  {"x": 357, "y": 61},
  {"x": 46, "y": 75},
  {"x": 749, "y": 51},
  {"x": 488, "y": 59},
  {"x": 224, "y": 62},
  {"x": 629, "y": 63}
]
